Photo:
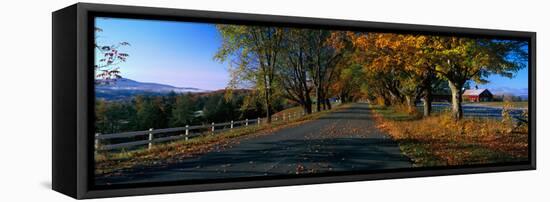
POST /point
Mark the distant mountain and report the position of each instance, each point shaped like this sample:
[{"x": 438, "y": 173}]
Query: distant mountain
[
  {"x": 123, "y": 88},
  {"x": 521, "y": 92}
]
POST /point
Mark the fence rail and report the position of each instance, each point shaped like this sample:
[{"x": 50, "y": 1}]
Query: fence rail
[
  {"x": 187, "y": 132},
  {"x": 478, "y": 111}
]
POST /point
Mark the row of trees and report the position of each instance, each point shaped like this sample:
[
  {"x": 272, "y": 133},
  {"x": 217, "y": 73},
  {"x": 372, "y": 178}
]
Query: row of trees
[
  {"x": 303, "y": 65},
  {"x": 176, "y": 110},
  {"x": 408, "y": 67},
  {"x": 309, "y": 66},
  {"x": 295, "y": 64}
]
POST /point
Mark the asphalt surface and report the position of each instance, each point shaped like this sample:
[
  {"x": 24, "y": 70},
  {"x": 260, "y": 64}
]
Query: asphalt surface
[{"x": 343, "y": 140}]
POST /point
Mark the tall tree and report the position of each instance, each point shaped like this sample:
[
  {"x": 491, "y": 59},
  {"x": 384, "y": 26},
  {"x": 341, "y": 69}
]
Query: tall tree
[
  {"x": 349, "y": 76},
  {"x": 324, "y": 58},
  {"x": 253, "y": 52},
  {"x": 462, "y": 59},
  {"x": 294, "y": 75},
  {"x": 419, "y": 78},
  {"x": 383, "y": 63},
  {"x": 349, "y": 81}
]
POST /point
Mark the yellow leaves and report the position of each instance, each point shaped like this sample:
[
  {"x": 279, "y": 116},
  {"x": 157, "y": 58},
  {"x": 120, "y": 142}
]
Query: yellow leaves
[
  {"x": 388, "y": 52},
  {"x": 360, "y": 41},
  {"x": 337, "y": 40}
]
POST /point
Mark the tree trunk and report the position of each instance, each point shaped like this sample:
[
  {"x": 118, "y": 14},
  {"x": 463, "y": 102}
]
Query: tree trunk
[
  {"x": 318, "y": 94},
  {"x": 387, "y": 101},
  {"x": 308, "y": 105},
  {"x": 456, "y": 97},
  {"x": 324, "y": 102},
  {"x": 267, "y": 98},
  {"x": 427, "y": 84},
  {"x": 268, "y": 106},
  {"x": 411, "y": 105},
  {"x": 427, "y": 101},
  {"x": 328, "y": 104}
]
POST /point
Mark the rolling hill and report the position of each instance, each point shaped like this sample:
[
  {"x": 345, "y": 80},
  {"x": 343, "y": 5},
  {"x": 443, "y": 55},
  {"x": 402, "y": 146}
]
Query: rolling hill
[{"x": 124, "y": 88}]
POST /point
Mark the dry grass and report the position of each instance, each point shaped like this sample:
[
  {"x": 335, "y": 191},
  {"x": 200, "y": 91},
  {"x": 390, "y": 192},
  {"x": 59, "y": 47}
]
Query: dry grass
[
  {"x": 291, "y": 110},
  {"x": 439, "y": 141}
]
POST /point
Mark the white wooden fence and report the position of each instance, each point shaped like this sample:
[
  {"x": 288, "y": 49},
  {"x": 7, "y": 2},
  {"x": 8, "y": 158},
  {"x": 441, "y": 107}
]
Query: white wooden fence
[{"x": 187, "y": 132}]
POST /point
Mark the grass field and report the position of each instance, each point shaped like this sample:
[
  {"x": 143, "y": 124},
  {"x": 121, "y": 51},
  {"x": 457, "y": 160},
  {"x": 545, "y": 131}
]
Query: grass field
[{"x": 440, "y": 141}]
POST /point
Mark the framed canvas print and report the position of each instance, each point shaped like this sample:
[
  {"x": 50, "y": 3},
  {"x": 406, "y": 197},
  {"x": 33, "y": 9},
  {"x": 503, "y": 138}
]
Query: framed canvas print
[{"x": 154, "y": 100}]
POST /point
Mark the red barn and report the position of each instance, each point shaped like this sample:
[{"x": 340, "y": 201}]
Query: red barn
[{"x": 478, "y": 95}]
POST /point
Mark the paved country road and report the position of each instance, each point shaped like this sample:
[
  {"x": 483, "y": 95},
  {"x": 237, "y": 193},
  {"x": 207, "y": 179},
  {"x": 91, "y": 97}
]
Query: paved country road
[{"x": 343, "y": 140}]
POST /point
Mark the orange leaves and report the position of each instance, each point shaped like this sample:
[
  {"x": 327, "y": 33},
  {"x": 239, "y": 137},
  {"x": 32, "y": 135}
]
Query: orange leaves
[
  {"x": 387, "y": 51},
  {"x": 338, "y": 40},
  {"x": 361, "y": 41}
]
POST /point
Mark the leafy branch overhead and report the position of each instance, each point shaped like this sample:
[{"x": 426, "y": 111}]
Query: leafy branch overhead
[
  {"x": 108, "y": 57},
  {"x": 309, "y": 66}
]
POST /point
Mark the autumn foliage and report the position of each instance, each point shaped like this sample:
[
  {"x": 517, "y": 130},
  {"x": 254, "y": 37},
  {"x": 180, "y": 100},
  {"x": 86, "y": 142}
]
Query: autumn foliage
[
  {"x": 440, "y": 141},
  {"x": 402, "y": 68}
]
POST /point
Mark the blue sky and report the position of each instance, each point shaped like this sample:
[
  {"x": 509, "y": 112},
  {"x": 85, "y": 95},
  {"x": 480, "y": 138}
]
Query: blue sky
[
  {"x": 180, "y": 54},
  {"x": 518, "y": 83},
  {"x": 173, "y": 53}
]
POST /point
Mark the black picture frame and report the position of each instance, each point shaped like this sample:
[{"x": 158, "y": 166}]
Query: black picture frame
[{"x": 73, "y": 93}]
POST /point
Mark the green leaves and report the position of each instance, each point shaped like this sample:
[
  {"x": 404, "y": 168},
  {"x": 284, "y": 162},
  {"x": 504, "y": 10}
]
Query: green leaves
[{"x": 182, "y": 112}]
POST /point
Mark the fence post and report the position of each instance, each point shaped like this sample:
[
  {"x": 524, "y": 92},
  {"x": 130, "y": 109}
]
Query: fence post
[
  {"x": 231, "y": 124},
  {"x": 259, "y": 120},
  {"x": 246, "y": 122},
  {"x": 96, "y": 143},
  {"x": 283, "y": 116},
  {"x": 289, "y": 116},
  {"x": 186, "y": 132},
  {"x": 150, "y": 138},
  {"x": 213, "y": 127}
]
